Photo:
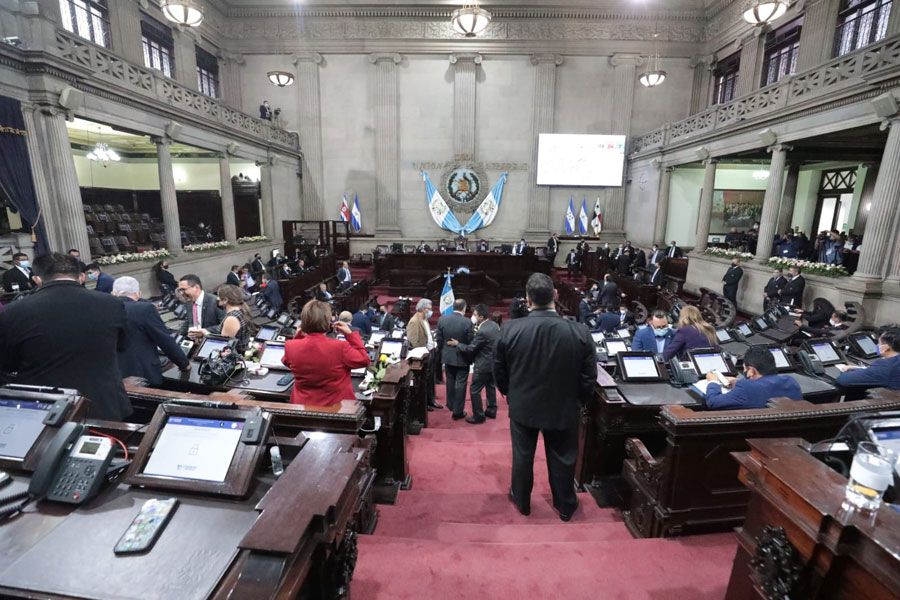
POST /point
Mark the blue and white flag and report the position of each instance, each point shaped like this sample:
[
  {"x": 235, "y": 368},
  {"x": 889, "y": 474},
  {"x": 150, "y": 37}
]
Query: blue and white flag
[
  {"x": 486, "y": 212},
  {"x": 570, "y": 218},
  {"x": 440, "y": 212},
  {"x": 355, "y": 215},
  {"x": 447, "y": 297},
  {"x": 583, "y": 218}
]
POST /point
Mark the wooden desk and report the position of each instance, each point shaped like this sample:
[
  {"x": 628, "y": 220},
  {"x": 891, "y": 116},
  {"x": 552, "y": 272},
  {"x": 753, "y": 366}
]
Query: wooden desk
[
  {"x": 422, "y": 374},
  {"x": 794, "y": 517},
  {"x": 692, "y": 485},
  {"x": 259, "y": 387},
  {"x": 391, "y": 404},
  {"x": 294, "y": 537}
]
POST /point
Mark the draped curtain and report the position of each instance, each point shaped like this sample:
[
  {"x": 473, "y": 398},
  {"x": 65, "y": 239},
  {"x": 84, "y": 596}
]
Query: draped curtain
[{"x": 16, "y": 183}]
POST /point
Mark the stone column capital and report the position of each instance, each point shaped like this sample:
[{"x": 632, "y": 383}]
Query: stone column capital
[
  {"x": 779, "y": 148},
  {"x": 626, "y": 60},
  {"x": 704, "y": 62},
  {"x": 544, "y": 58},
  {"x": 473, "y": 57},
  {"x": 711, "y": 160},
  {"x": 231, "y": 57},
  {"x": 307, "y": 57},
  {"x": 161, "y": 140},
  {"x": 377, "y": 57}
]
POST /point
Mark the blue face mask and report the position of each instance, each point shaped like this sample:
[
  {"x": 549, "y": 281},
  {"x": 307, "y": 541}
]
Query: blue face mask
[
  {"x": 428, "y": 314},
  {"x": 661, "y": 332},
  {"x": 25, "y": 264},
  {"x": 92, "y": 277}
]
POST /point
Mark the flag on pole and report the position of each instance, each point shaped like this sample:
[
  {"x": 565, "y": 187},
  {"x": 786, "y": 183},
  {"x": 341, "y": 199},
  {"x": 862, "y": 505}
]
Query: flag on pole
[
  {"x": 447, "y": 298},
  {"x": 439, "y": 210},
  {"x": 488, "y": 208},
  {"x": 570, "y": 218},
  {"x": 356, "y": 216},
  {"x": 345, "y": 210},
  {"x": 597, "y": 221},
  {"x": 583, "y": 218}
]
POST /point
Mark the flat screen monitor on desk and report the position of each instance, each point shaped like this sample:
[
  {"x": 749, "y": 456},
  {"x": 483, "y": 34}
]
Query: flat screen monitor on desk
[
  {"x": 623, "y": 332},
  {"x": 29, "y": 419},
  {"x": 707, "y": 360},
  {"x": 782, "y": 363},
  {"x": 211, "y": 345},
  {"x": 267, "y": 333},
  {"x": 723, "y": 336},
  {"x": 887, "y": 435},
  {"x": 863, "y": 345},
  {"x": 825, "y": 350},
  {"x": 744, "y": 330},
  {"x": 638, "y": 366},
  {"x": 614, "y": 346},
  {"x": 598, "y": 337},
  {"x": 376, "y": 337},
  {"x": 761, "y": 323},
  {"x": 272, "y": 355},
  {"x": 393, "y": 348}
]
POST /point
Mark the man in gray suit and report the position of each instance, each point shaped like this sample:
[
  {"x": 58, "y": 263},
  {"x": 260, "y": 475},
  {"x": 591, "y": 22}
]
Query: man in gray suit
[
  {"x": 455, "y": 326},
  {"x": 481, "y": 353}
]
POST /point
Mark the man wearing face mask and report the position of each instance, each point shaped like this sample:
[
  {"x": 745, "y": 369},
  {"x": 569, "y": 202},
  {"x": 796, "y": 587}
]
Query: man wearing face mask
[
  {"x": 419, "y": 335},
  {"x": 104, "y": 281},
  {"x": 883, "y": 372},
  {"x": 731, "y": 280},
  {"x": 68, "y": 336},
  {"x": 656, "y": 336},
  {"x": 481, "y": 353},
  {"x": 18, "y": 278},
  {"x": 455, "y": 326},
  {"x": 760, "y": 384},
  {"x": 773, "y": 288},
  {"x": 655, "y": 255}
]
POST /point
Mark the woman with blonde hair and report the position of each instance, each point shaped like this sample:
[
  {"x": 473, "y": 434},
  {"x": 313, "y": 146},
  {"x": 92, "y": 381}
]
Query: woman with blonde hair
[{"x": 693, "y": 332}]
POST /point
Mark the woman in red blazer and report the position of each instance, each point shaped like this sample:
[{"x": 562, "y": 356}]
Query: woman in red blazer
[{"x": 321, "y": 365}]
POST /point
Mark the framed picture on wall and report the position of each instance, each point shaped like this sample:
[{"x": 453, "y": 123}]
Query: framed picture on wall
[{"x": 735, "y": 208}]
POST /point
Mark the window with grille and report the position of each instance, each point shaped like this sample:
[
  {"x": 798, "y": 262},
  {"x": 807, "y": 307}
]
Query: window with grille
[
  {"x": 860, "y": 23},
  {"x": 838, "y": 181},
  {"x": 782, "y": 48},
  {"x": 88, "y": 19},
  {"x": 159, "y": 46},
  {"x": 207, "y": 73},
  {"x": 726, "y": 76}
]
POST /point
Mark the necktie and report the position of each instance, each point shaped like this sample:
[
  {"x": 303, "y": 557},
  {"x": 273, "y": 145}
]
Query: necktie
[
  {"x": 196, "y": 311},
  {"x": 671, "y": 252}
]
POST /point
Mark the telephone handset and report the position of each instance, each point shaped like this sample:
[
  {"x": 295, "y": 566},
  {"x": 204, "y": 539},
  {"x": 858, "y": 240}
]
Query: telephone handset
[
  {"x": 73, "y": 466},
  {"x": 683, "y": 372},
  {"x": 738, "y": 336},
  {"x": 811, "y": 363}
]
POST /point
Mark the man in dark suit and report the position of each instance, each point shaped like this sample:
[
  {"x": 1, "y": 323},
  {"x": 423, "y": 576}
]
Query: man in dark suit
[
  {"x": 731, "y": 280},
  {"x": 18, "y": 278},
  {"x": 385, "y": 320},
  {"x": 572, "y": 261},
  {"x": 792, "y": 292},
  {"x": 145, "y": 333},
  {"x": 673, "y": 251},
  {"x": 623, "y": 260},
  {"x": 202, "y": 309},
  {"x": 626, "y": 317},
  {"x": 344, "y": 277},
  {"x": 74, "y": 253},
  {"x": 772, "y": 291},
  {"x": 609, "y": 293},
  {"x": 639, "y": 261},
  {"x": 362, "y": 322},
  {"x": 585, "y": 312},
  {"x": 68, "y": 336},
  {"x": 455, "y": 326},
  {"x": 233, "y": 278},
  {"x": 603, "y": 251},
  {"x": 546, "y": 366},
  {"x": 257, "y": 268},
  {"x": 481, "y": 353},
  {"x": 656, "y": 279},
  {"x": 656, "y": 255},
  {"x": 483, "y": 246},
  {"x": 519, "y": 248},
  {"x": 104, "y": 282},
  {"x": 608, "y": 320},
  {"x": 265, "y": 111}
]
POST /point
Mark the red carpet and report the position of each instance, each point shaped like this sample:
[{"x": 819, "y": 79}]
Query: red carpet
[{"x": 455, "y": 535}]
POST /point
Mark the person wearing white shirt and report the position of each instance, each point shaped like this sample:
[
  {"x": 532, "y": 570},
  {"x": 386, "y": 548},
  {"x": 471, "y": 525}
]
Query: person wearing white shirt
[
  {"x": 344, "y": 276},
  {"x": 655, "y": 255}
]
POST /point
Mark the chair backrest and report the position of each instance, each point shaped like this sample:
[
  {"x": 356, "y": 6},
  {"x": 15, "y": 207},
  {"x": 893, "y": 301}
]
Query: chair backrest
[
  {"x": 109, "y": 245},
  {"x": 96, "y": 246},
  {"x": 856, "y": 316}
]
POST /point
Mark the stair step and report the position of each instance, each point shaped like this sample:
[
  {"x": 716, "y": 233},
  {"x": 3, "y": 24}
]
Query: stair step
[{"x": 557, "y": 532}]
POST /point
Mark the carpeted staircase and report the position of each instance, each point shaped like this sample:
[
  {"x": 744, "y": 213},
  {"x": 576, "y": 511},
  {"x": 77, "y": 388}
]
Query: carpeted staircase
[{"x": 456, "y": 535}]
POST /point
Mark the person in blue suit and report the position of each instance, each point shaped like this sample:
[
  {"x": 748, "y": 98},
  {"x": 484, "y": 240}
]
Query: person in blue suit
[
  {"x": 761, "y": 383},
  {"x": 608, "y": 320},
  {"x": 884, "y": 372},
  {"x": 655, "y": 337},
  {"x": 104, "y": 281},
  {"x": 362, "y": 322},
  {"x": 585, "y": 312},
  {"x": 145, "y": 332}
]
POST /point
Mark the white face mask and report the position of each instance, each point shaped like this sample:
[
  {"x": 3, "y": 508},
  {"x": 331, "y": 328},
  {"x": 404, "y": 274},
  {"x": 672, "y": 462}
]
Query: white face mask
[
  {"x": 835, "y": 323},
  {"x": 474, "y": 320},
  {"x": 428, "y": 313}
]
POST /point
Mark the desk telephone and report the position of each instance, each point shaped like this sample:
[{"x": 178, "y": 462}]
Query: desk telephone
[
  {"x": 811, "y": 363},
  {"x": 73, "y": 466},
  {"x": 683, "y": 372}
]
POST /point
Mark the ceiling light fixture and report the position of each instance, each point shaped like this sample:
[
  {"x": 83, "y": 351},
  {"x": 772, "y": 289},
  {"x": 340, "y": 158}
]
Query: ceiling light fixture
[
  {"x": 104, "y": 154},
  {"x": 281, "y": 78},
  {"x": 184, "y": 12},
  {"x": 654, "y": 75},
  {"x": 471, "y": 19},
  {"x": 760, "y": 12}
]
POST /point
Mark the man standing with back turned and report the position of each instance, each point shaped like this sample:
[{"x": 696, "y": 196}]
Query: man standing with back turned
[
  {"x": 455, "y": 326},
  {"x": 546, "y": 366}
]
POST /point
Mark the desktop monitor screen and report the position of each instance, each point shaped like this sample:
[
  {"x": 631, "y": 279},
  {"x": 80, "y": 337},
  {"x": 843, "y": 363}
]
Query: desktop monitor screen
[
  {"x": 613, "y": 347},
  {"x": 761, "y": 323},
  {"x": 710, "y": 361},
  {"x": 283, "y": 319},
  {"x": 866, "y": 344},
  {"x": 391, "y": 348},
  {"x": 194, "y": 448},
  {"x": 272, "y": 355},
  {"x": 723, "y": 336},
  {"x": 377, "y": 336},
  {"x": 21, "y": 423},
  {"x": 267, "y": 333},
  {"x": 887, "y": 437},
  {"x": 744, "y": 329},
  {"x": 598, "y": 337},
  {"x": 781, "y": 359},
  {"x": 639, "y": 367},
  {"x": 623, "y": 333},
  {"x": 826, "y": 352},
  {"x": 211, "y": 345}
]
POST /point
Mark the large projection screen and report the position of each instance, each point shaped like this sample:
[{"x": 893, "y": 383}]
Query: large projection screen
[{"x": 580, "y": 160}]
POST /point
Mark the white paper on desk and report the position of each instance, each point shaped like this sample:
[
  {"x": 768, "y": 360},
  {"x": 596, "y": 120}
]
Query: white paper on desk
[
  {"x": 420, "y": 352},
  {"x": 701, "y": 386},
  {"x": 359, "y": 371}
]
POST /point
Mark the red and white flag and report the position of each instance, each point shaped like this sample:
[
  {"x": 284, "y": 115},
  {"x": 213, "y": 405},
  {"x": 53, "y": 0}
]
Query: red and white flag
[{"x": 345, "y": 210}]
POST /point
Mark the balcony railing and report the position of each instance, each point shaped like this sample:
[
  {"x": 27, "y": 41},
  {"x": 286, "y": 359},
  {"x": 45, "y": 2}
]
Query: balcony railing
[
  {"x": 799, "y": 90},
  {"x": 150, "y": 84}
]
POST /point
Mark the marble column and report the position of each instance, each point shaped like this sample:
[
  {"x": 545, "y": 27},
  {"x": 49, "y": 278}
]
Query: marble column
[
  {"x": 706, "y": 196},
  {"x": 700, "y": 90},
  {"x": 228, "y": 222},
  {"x": 768, "y": 221},
  {"x": 881, "y": 224},
  {"x": 788, "y": 198},
  {"x": 65, "y": 191},
  {"x": 310, "y": 128},
  {"x": 543, "y": 109},
  {"x": 186, "y": 41},
  {"x": 624, "y": 72},
  {"x": 749, "y": 73},
  {"x": 167, "y": 195},
  {"x": 267, "y": 218},
  {"x": 125, "y": 26},
  {"x": 465, "y": 70},
  {"x": 230, "y": 78},
  {"x": 40, "y": 179},
  {"x": 386, "y": 110},
  {"x": 865, "y": 197},
  {"x": 662, "y": 207},
  {"x": 893, "y": 25},
  {"x": 817, "y": 35}
]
